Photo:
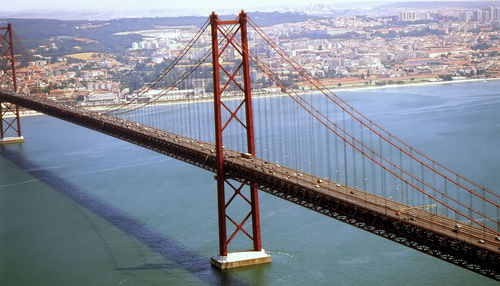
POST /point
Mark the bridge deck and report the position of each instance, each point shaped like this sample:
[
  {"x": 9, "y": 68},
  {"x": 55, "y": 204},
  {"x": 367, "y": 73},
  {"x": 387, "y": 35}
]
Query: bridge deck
[
  {"x": 394, "y": 210},
  {"x": 470, "y": 247}
]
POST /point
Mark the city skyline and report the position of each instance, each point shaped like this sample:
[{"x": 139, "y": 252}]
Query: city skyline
[{"x": 131, "y": 8}]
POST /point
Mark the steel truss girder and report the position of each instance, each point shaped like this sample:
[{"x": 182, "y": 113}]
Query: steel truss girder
[{"x": 466, "y": 255}]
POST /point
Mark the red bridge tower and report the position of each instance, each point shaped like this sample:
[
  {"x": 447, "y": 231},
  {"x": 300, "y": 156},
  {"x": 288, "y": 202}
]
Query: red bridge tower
[
  {"x": 10, "y": 125},
  {"x": 228, "y": 38}
]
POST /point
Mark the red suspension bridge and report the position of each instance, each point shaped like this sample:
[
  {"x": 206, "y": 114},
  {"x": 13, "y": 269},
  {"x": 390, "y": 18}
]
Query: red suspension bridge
[{"x": 311, "y": 148}]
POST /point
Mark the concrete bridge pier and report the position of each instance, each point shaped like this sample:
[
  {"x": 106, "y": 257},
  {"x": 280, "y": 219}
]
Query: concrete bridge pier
[
  {"x": 12, "y": 140},
  {"x": 240, "y": 259}
]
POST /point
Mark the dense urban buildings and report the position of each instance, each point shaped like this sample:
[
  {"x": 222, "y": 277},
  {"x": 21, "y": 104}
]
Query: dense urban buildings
[{"x": 411, "y": 46}]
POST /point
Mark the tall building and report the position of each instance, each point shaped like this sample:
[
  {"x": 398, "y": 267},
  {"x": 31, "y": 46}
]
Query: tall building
[
  {"x": 490, "y": 10},
  {"x": 476, "y": 14},
  {"x": 481, "y": 15},
  {"x": 485, "y": 16},
  {"x": 407, "y": 16},
  {"x": 495, "y": 13},
  {"x": 465, "y": 16}
]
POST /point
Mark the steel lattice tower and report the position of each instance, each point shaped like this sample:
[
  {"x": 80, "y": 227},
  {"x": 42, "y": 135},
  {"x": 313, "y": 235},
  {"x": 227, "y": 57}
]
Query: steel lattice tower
[
  {"x": 8, "y": 125},
  {"x": 241, "y": 47}
]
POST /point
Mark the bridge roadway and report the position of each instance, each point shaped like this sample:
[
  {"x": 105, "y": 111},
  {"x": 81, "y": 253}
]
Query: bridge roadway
[{"x": 470, "y": 247}]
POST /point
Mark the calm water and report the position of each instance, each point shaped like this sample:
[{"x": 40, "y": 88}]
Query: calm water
[{"x": 81, "y": 208}]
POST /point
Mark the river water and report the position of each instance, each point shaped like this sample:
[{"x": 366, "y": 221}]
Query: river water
[{"x": 81, "y": 208}]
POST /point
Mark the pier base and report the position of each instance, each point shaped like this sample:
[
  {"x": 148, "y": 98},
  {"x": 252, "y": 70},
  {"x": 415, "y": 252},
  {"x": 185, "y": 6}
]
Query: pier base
[
  {"x": 240, "y": 259},
  {"x": 11, "y": 140}
]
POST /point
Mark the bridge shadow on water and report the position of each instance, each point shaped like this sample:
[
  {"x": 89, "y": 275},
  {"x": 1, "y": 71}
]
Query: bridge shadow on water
[{"x": 171, "y": 250}]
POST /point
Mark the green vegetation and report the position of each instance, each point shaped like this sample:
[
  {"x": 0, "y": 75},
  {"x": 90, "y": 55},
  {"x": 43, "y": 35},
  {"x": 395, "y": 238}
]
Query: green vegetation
[
  {"x": 481, "y": 46},
  {"x": 446, "y": 77},
  {"x": 68, "y": 34}
]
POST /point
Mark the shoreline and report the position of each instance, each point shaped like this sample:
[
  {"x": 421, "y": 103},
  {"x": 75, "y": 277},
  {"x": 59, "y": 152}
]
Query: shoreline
[
  {"x": 429, "y": 83},
  {"x": 31, "y": 113}
]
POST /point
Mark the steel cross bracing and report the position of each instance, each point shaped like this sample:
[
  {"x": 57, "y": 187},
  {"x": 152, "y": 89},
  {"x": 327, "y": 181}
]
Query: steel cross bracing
[
  {"x": 9, "y": 113},
  {"x": 431, "y": 234},
  {"x": 230, "y": 42}
]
